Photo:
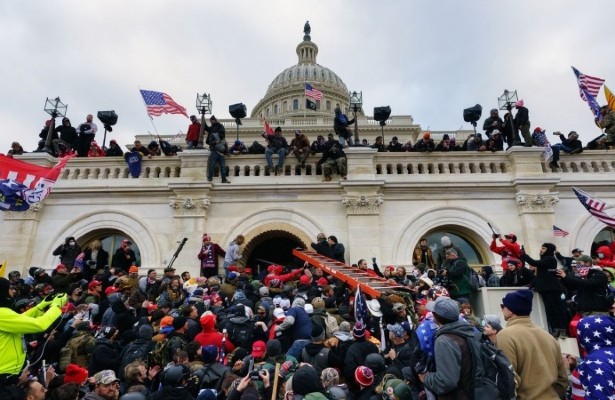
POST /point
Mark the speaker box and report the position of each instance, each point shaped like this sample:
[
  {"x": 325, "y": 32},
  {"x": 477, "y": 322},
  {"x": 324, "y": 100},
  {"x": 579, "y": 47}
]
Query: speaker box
[
  {"x": 382, "y": 113},
  {"x": 107, "y": 117},
  {"x": 237, "y": 110},
  {"x": 472, "y": 114}
]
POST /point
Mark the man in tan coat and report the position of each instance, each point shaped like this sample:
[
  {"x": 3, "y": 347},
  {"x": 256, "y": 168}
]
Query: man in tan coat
[{"x": 533, "y": 352}]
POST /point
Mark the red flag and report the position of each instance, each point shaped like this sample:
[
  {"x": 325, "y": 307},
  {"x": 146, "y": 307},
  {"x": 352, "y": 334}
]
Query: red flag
[
  {"x": 37, "y": 181},
  {"x": 268, "y": 129}
]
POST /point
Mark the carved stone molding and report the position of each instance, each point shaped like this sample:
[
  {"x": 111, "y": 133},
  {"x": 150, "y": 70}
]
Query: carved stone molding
[
  {"x": 363, "y": 205},
  {"x": 537, "y": 203},
  {"x": 189, "y": 207},
  {"x": 34, "y": 212}
]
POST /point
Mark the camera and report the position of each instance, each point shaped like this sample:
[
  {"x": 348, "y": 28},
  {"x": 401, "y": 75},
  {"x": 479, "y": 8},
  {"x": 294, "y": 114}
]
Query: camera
[
  {"x": 90, "y": 263},
  {"x": 254, "y": 376}
]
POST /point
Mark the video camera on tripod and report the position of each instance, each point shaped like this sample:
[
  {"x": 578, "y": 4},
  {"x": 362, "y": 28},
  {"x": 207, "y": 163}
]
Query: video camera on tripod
[{"x": 472, "y": 115}]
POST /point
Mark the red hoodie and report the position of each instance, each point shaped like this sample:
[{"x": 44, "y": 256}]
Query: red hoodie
[
  {"x": 210, "y": 335},
  {"x": 509, "y": 250},
  {"x": 607, "y": 261},
  {"x": 275, "y": 280}
]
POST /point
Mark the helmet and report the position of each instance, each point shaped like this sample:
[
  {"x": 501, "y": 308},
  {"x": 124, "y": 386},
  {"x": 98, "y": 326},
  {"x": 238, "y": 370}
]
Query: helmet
[{"x": 176, "y": 374}]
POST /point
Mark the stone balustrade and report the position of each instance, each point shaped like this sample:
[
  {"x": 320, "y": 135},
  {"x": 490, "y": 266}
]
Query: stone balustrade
[{"x": 363, "y": 163}]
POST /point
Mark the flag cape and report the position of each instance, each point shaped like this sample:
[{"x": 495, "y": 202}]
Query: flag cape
[{"x": 23, "y": 184}]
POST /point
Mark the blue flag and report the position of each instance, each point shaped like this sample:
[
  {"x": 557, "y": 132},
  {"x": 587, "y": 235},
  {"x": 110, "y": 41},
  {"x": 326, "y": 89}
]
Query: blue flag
[
  {"x": 133, "y": 159},
  {"x": 12, "y": 196},
  {"x": 592, "y": 103}
]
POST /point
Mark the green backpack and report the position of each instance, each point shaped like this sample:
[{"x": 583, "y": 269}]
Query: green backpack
[{"x": 160, "y": 354}]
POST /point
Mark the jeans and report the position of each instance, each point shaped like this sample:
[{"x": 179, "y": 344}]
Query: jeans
[
  {"x": 557, "y": 148},
  {"x": 216, "y": 157},
  {"x": 297, "y": 347},
  {"x": 344, "y": 140},
  {"x": 281, "y": 154}
]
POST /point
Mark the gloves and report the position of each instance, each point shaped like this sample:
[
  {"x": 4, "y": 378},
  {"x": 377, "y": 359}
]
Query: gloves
[
  {"x": 44, "y": 303},
  {"x": 60, "y": 300},
  {"x": 495, "y": 236}
]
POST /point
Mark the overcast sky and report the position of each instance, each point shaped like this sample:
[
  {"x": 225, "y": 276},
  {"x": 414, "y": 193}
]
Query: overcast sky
[{"x": 428, "y": 59}]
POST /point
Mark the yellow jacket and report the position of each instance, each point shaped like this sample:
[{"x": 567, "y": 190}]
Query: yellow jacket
[{"x": 12, "y": 328}]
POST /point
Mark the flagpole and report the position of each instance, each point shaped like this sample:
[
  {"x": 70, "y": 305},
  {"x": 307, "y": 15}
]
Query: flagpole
[
  {"x": 150, "y": 117},
  {"x": 305, "y": 102}
]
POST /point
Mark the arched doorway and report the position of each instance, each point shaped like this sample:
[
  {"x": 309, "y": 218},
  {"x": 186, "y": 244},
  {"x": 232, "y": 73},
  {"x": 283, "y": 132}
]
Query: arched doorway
[
  {"x": 274, "y": 246},
  {"x": 459, "y": 237}
]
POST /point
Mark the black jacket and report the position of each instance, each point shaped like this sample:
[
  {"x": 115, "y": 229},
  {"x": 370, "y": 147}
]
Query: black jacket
[
  {"x": 106, "y": 356},
  {"x": 323, "y": 248},
  {"x": 591, "y": 292},
  {"x": 521, "y": 277},
  {"x": 355, "y": 356},
  {"x": 546, "y": 280},
  {"x": 332, "y": 151}
]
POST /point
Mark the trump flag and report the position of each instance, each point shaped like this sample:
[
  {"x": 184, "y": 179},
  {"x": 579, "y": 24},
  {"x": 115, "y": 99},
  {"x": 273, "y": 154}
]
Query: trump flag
[{"x": 23, "y": 184}]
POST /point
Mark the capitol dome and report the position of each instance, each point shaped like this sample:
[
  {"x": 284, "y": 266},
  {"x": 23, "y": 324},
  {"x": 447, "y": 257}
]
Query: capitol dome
[{"x": 285, "y": 95}]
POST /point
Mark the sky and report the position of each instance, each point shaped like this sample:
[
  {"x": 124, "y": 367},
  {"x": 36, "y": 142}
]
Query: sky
[{"x": 427, "y": 59}]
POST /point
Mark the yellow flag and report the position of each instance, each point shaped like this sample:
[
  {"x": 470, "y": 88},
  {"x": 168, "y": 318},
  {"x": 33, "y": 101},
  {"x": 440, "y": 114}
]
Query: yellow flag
[
  {"x": 3, "y": 268},
  {"x": 610, "y": 99}
]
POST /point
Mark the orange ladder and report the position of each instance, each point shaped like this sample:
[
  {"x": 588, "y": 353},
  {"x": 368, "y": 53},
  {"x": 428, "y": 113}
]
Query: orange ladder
[{"x": 371, "y": 285}]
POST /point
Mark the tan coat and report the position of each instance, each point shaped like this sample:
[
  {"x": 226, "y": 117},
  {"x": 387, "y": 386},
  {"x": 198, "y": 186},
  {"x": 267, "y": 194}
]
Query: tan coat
[{"x": 536, "y": 357}]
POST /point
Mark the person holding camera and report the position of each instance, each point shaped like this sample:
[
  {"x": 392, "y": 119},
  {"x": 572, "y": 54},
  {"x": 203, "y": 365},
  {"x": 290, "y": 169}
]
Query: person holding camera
[
  {"x": 591, "y": 297},
  {"x": 87, "y": 132}
]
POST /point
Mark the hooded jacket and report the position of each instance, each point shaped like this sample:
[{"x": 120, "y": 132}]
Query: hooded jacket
[
  {"x": 298, "y": 321},
  {"x": 607, "y": 260},
  {"x": 596, "y": 334},
  {"x": 545, "y": 281},
  {"x": 210, "y": 335},
  {"x": 446, "y": 381},
  {"x": 13, "y": 326}
]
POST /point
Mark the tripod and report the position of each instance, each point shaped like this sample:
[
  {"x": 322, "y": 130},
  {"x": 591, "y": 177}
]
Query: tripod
[{"x": 179, "y": 249}]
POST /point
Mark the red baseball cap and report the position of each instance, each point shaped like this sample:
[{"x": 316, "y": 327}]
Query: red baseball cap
[
  {"x": 94, "y": 283},
  {"x": 258, "y": 349},
  {"x": 304, "y": 280},
  {"x": 322, "y": 282},
  {"x": 110, "y": 290}
]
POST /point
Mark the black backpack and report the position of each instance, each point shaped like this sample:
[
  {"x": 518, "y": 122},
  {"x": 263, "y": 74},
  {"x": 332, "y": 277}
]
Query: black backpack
[
  {"x": 494, "y": 375},
  {"x": 132, "y": 353},
  {"x": 240, "y": 334}
]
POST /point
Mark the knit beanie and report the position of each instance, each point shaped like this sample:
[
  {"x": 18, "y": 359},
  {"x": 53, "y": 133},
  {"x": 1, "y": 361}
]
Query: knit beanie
[
  {"x": 519, "y": 302},
  {"x": 318, "y": 333},
  {"x": 364, "y": 376},
  {"x": 273, "y": 349},
  {"x": 358, "y": 331},
  {"x": 209, "y": 354},
  {"x": 75, "y": 374},
  {"x": 179, "y": 322}
]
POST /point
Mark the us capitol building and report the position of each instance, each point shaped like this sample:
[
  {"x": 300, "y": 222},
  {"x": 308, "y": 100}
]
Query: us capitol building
[{"x": 388, "y": 202}]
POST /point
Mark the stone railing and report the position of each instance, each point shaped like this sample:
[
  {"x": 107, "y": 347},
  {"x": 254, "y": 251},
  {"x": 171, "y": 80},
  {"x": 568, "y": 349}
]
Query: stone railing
[{"x": 363, "y": 163}]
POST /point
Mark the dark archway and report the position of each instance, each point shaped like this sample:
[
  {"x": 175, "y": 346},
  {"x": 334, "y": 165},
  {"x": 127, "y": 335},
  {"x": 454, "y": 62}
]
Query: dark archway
[{"x": 271, "y": 247}]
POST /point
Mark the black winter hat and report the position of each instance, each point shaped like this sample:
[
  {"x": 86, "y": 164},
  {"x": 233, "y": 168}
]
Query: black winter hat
[
  {"x": 179, "y": 322},
  {"x": 317, "y": 333},
  {"x": 550, "y": 249}
]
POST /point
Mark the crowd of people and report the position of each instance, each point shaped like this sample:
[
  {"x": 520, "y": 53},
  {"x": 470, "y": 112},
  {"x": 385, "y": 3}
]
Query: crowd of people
[{"x": 96, "y": 332}]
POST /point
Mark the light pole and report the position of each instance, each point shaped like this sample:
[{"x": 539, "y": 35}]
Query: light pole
[
  {"x": 55, "y": 108},
  {"x": 355, "y": 99},
  {"x": 203, "y": 106},
  {"x": 506, "y": 102}
]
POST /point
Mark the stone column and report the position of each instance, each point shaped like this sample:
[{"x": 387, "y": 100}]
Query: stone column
[
  {"x": 19, "y": 232},
  {"x": 194, "y": 165},
  {"x": 535, "y": 201}
]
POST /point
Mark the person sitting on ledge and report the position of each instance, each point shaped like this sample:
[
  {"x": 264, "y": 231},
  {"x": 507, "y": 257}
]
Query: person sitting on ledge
[
  {"x": 238, "y": 148},
  {"x": 379, "y": 145},
  {"x": 333, "y": 155},
  {"x": 572, "y": 145},
  {"x": 426, "y": 144},
  {"x": 394, "y": 145}
]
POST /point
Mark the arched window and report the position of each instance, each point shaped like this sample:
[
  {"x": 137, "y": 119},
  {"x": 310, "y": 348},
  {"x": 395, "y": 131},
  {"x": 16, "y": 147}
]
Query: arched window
[
  {"x": 111, "y": 241},
  {"x": 275, "y": 109},
  {"x": 305, "y": 72},
  {"x": 468, "y": 246},
  {"x": 328, "y": 105},
  {"x": 295, "y": 104},
  {"x": 268, "y": 112},
  {"x": 285, "y": 106}
]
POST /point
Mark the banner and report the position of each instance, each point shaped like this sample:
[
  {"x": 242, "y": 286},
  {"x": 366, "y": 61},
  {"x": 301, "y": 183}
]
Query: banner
[{"x": 23, "y": 184}]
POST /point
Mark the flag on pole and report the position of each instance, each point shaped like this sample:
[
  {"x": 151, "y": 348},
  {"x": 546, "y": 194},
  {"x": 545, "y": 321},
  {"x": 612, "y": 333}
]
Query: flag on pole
[
  {"x": 311, "y": 91},
  {"x": 559, "y": 232},
  {"x": 3, "y": 268},
  {"x": 595, "y": 207},
  {"x": 590, "y": 83},
  {"x": 592, "y": 103},
  {"x": 23, "y": 184},
  {"x": 158, "y": 103},
  {"x": 610, "y": 99},
  {"x": 360, "y": 307},
  {"x": 548, "y": 153},
  {"x": 310, "y": 105}
]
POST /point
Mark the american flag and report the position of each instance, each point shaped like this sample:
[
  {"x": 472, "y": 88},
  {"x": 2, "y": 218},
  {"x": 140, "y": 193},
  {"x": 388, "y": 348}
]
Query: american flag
[
  {"x": 360, "y": 307},
  {"x": 595, "y": 207},
  {"x": 158, "y": 103},
  {"x": 559, "y": 232},
  {"x": 589, "y": 83},
  {"x": 593, "y": 104},
  {"x": 312, "y": 92}
]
